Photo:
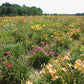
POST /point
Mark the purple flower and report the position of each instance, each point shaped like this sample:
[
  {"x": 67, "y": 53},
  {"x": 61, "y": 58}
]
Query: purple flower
[
  {"x": 45, "y": 53},
  {"x": 47, "y": 47}
]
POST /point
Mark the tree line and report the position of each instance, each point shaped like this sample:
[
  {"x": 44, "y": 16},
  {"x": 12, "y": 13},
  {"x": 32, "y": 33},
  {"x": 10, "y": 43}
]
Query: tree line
[{"x": 7, "y": 9}]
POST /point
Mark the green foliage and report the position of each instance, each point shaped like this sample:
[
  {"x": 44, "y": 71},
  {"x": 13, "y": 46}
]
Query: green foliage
[
  {"x": 14, "y": 70},
  {"x": 7, "y": 9}
]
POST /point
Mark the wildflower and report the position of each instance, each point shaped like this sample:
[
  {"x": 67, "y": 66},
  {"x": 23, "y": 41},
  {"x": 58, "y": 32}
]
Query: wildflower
[
  {"x": 57, "y": 34},
  {"x": 81, "y": 55},
  {"x": 42, "y": 71},
  {"x": 46, "y": 36},
  {"x": 42, "y": 48},
  {"x": 68, "y": 53},
  {"x": 59, "y": 39},
  {"x": 54, "y": 33},
  {"x": 3, "y": 62},
  {"x": 70, "y": 65},
  {"x": 8, "y": 65},
  {"x": 49, "y": 66},
  {"x": 45, "y": 53},
  {"x": 67, "y": 58},
  {"x": 50, "y": 29},
  {"x": 52, "y": 52},
  {"x": 54, "y": 77},
  {"x": 53, "y": 72},
  {"x": 60, "y": 77},
  {"x": 32, "y": 51},
  {"x": 47, "y": 47},
  {"x": 50, "y": 71},
  {"x": 28, "y": 82},
  {"x": 62, "y": 58},
  {"x": 42, "y": 43},
  {"x": 32, "y": 45},
  {"x": 78, "y": 61},
  {"x": 64, "y": 69},
  {"x": 37, "y": 48},
  {"x": 15, "y": 29},
  {"x": 7, "y": 52},
  {"x": 76, "y": 66},
  {"x": 43, "y": 25},
  {"x": 79, "y": 45},
  {"x": 32, "y": 27},
  {"x": 78, "y": 30},
  {"x": 62, "y": 42},
  {"x": 39, "y": 28},
  {"x": 56, "y": 60},
  {"x": 82, "y": 67},
  {"x": 55, "y": 37},
  {"x": 9, "y": 55},
  {"x": 52, "y": 36}
]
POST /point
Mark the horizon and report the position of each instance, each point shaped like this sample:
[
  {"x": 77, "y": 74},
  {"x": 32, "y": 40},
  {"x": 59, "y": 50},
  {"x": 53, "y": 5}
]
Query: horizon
[{"x": 61, "y": 7}]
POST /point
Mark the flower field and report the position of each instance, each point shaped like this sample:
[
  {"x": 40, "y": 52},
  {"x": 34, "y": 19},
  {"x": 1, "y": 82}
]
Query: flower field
[{"x": 42, "y": 49}]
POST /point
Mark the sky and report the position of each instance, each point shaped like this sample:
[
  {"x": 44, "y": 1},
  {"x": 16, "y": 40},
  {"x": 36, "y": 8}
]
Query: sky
[{"x": 52, "y": 6}]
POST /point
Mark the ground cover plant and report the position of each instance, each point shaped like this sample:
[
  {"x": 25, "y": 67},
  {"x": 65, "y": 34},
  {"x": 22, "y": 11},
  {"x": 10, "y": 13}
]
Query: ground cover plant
[{"x": 42, "y": 49}]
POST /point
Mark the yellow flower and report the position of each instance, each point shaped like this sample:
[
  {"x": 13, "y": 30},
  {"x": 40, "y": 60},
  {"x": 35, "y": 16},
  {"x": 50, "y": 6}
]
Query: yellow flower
[
  {"x": 56, "y": 60},
  {"x": 39, "y": 28},
  {"x": 43, "y": 25},
  {"x": 70, "y": 65},
  {"x": 76, "y": 66},
  {"x": 59, "y": 39},
  {"x": 45, "y": 38},
  {"x": 54, "y": 77},
  {"x": 32, "y": 27},
  {"x": 15, "y": 29},
  {"x": 50, "y": 29},
  {"x": 52, "y": 36},
  {"x": 67, "y": 58},
  {"x": 54, "y": 33},
  {"x": 55, "y": 37},
  {"x": 62, "y": 58},
  {"x": 28, "y": 82}
]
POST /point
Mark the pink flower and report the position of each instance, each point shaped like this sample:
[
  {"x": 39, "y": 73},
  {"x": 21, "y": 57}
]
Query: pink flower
[
  {"x": 42, "y": 48},
  {"x": 3, "y": 62},
  {"x": 42, "y": 43},
  {"x": 8, "y": 65},
  {"x": 45, "y": 53},
  {"x": 37, "y": 48},
  {"x": 7, "y": 52},
  {"x": 32, "y": 51},
  {"x": 9, "y": 55},
  {"x": 47, "y": 47},
  {"x": 33, "y": 46},
  {"x": 52, "y": 52}
]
